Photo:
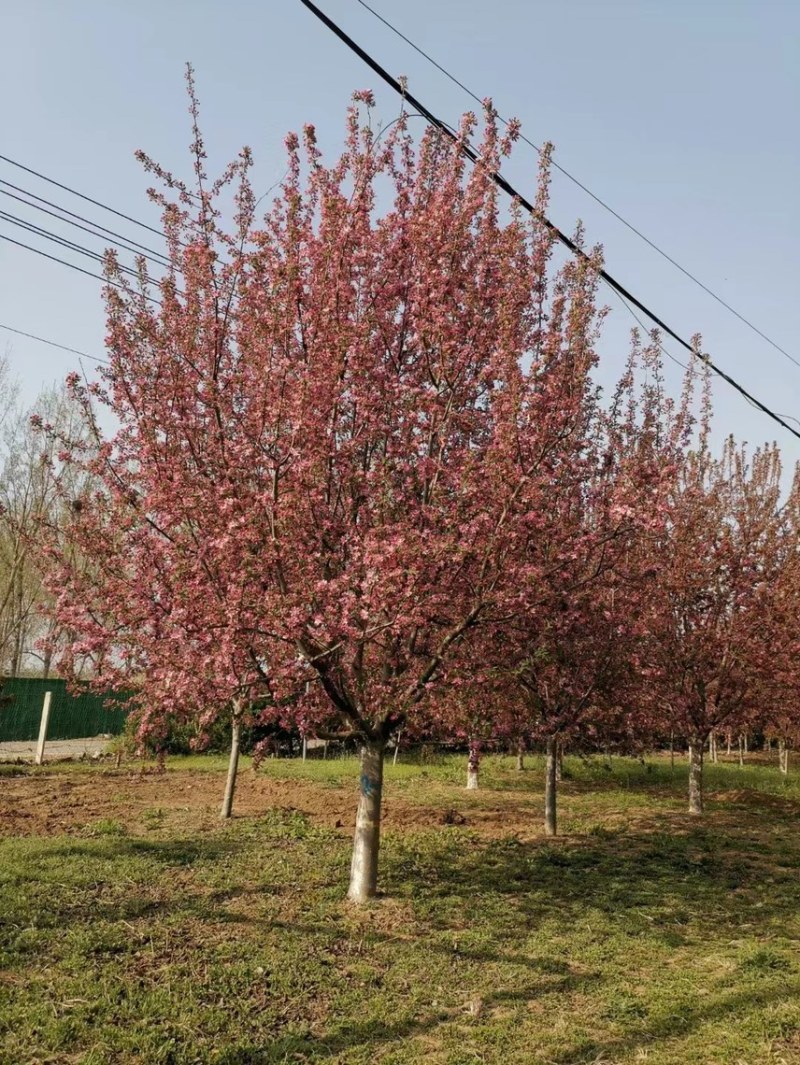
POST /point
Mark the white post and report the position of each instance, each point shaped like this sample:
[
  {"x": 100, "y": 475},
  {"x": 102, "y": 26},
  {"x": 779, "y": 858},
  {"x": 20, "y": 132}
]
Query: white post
[
  {"x": 305, "y": 747},
  {"x": 43, "y": 728}
]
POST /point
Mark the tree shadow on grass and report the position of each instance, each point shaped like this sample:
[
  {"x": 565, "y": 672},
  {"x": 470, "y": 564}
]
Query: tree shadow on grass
[
  {"x": 183, "y": 851},
  {"x": 659, "y": 882},
  {"x": 87, "y": 870},
  {"x": 724, "y": 870},
  {"x": 374, "y": 1033},
  {"x": 456, "y": 883},
  {"x": 743, "y": 873},
  {"x": 640, "y": 1037}
]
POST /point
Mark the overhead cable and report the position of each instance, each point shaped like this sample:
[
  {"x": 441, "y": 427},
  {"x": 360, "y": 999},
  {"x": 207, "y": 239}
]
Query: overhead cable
[
  {"x": 504, "y": 184},
  {"x": 52, "y": 343},
  {"x": 576, "y": 181}
]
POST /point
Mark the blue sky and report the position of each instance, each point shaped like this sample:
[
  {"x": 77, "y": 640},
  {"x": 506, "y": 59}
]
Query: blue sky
[{"x": 682, "y": 115}]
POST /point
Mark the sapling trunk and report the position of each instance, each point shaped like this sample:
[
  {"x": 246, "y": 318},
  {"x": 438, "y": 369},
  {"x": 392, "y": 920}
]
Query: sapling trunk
[
  {"x": 520, "y": 755},
  {"x": 672, "y": 752},
  {"x": 473, "y": 767},
  {"x": 696, "y": 776},
  {"x": 550, "y": 786},
  {"x": 233, "y": 767},
  {"x": 741, "y": 751},
  {"x": 364, "y": 865},
  {"x": 559, "y": 762},
  {"x": 730, "y": 741},
  {"x": 712, "y": 746},
  {"x": 783, "y": 757},
  {"x": 305, "y": 748}
]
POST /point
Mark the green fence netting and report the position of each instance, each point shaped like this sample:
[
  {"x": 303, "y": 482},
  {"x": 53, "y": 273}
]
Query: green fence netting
[{"x": 72, "y": 717}]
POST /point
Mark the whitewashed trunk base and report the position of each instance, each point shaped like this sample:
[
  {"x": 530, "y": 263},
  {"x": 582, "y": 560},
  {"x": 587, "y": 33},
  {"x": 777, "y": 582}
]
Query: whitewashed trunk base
[
  {"x": 366, "y": 843},
  {"x": 551, "y": 787},
  {"x": 473, "y": 767},
  {"x": 696, "y": 778},
  {"x": 233, "y": 768}
]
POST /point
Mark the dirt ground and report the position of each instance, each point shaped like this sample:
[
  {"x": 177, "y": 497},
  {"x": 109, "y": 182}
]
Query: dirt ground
[{"x": 56, "y": 803}]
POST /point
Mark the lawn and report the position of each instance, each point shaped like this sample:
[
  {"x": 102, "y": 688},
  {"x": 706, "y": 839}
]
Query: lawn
[{"x": 136, "y": 927}]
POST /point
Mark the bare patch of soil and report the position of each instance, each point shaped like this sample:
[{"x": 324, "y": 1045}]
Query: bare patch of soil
[
  {"x": 764, "y": 799},
  {"x": 57, "y": 803}
]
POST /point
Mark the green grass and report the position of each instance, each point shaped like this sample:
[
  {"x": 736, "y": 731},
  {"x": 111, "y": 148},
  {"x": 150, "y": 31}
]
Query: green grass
[{"x": 640, "y": 936}]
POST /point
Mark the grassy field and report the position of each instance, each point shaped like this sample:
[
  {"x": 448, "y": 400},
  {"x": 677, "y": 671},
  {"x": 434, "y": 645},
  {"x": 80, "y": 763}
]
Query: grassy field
[{"x": 135, "y": 927}]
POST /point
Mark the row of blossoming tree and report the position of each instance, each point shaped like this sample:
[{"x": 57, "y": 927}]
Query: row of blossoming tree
[{"x": 363, "y": 480}]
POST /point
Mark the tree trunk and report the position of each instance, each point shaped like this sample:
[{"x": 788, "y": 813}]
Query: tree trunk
[
  {"x": 559, "y": 761},
  {"x": 305, "y": 747},
  {"x": 696, "y": 776},
  {"x": 364, "y": 865},
  {"x": 712, "y": 746},
  {"x": 745, "y": 743},
  {"x": 783, "y": 757},
  {"x": 396, "y": 747},
  {"x": 233, "y": 767},
  {"x": 473, "y": 766},
  {"x": 741, "y": 751},
  {"x": 672, "y": 752},
  {"x": 550, "y": 785},
  {"x": 730, "y": 741},
  {"x": 520, "y": 755}
]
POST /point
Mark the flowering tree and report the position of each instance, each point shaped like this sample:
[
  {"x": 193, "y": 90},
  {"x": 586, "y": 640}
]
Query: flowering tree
[
  {"x": 336, "y": 429},
  {"x": 572, "y": 651},
  {"x": 774, "y": 708},
  {"x": 713, "y": 622},
  {"x": 139, "y": 595}
]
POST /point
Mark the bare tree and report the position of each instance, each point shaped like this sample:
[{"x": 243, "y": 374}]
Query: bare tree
[{"x": 29, "y": 466}]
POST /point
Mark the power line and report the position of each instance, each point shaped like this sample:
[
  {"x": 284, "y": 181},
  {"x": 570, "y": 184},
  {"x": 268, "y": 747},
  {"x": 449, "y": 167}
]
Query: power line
[
  {"x": 623, "y": 293},
  {"x": 70, "y": 245},
  {"x": 503, "y": 184},
  {"x": 588, "y": 191},
  {"x": 80, "y": 195},
  {"x": 53, "y": 344},
  {"x": 130, "y": 245},
  {"x": 661, "y": 347},
  {"x": 72, "y": 266}
]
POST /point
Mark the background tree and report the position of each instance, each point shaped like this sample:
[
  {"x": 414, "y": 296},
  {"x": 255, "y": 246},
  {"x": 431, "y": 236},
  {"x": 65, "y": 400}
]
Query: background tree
[
  {"x": 776, "y": 713},
  {"x": 574, "y": 641},
  {"x": 718, "y": 567},
  {"x": 29, "y": 468}
]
